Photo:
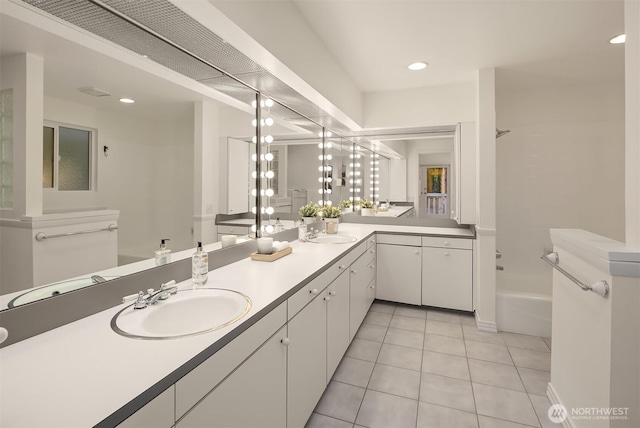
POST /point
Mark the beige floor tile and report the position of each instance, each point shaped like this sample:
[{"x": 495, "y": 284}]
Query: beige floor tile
[
  {"x": 400, "y": 356},
  {"x": 380, "y": 410},
  {"x": 504, "y": 404},
  {"x": 444, "y": 328},
  {"x": 411, "y": 339},
  {"x": 495, "y": 374},
  {"x": 411, "y": 311},
  {"x": 488, "y": 422},
  {"x": 321, "y": 421},
  {"x": 432, "y": 416},
  {"x": 407, "y": 323},
  {"x": 354, "y": 372},
  {"x": 444, "y": 344},
  {"x": 384, "y": 307},
  {"x": 446, "y": 391},
  {"x": 378, "y": 318},
  {"x": 371, "y": 332},
  {"x": 536, "y": 360},
  {"x": 523, "y": 341},
  {"x": 340, "y": 401},
  {"x": 445, "y": 365},
  {"x": 396, "y": 381},
  {"x": 364, "y": 349},
  {"x": 444, "y": 316},
  {"x": 488, "y": 352},
  {"x": 535, "y": 381}
]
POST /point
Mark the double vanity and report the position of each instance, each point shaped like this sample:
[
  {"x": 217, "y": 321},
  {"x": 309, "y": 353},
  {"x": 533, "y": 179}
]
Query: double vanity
[{"x": 266, "y": 365}]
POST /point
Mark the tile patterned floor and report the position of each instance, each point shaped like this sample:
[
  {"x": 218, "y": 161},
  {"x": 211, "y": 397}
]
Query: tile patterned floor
[{"x": 417, "y": 367}]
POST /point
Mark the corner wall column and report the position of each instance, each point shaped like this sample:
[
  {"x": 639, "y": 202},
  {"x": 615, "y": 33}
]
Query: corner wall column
[{"x": 486, "y": 200}]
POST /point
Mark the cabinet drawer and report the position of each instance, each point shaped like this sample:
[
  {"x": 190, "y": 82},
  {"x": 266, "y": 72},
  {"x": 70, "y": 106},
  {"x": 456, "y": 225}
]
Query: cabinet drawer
[
  {"x": 437, "y": 241},
  {"x": 233, "y": 230},
  {"x": 399, "y": 240},
  {"x": 318, "y": 284},
  {"x": 197, "y": 383},
  {"x": 371, "y": 241}
]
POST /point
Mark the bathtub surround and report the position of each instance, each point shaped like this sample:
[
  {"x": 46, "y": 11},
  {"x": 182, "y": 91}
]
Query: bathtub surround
[{"x": 596, "y": 343}]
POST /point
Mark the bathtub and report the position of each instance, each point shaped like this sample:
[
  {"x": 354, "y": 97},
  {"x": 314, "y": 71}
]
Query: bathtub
[{"x": 519, "y": 310}]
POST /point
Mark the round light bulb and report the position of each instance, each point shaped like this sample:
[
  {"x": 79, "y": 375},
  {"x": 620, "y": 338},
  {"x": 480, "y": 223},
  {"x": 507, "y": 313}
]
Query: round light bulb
[
  {"x": 268, "y": 102},
  {"x": 254, "y": 210},
  {"x": 270, "y": 174},
  {"x": 254, "y": 157},
  {"x": 416, "y": 66},
  {"x": 254, "y": 174},
  {"x": 269, "y": 157},
  {"x": 268, "y": 139},
  {"x": 253, "y": 228},
  {"x": 254, "y": 104},
  {"x": 320, "y": 179},
  {"x": 254, "y": 122},
  {"x": 268, "y": 121},
  {"x": 269, "y": 192},
  {"x": 270, "y": 210},
  {"x": 269, "y": 228},
  {"x": 253, "y": 192},
  {"x": 320, "y": 191},
  {"x": 254, "y": 140}
]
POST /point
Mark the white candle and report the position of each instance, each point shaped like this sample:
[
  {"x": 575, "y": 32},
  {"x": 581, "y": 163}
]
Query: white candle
[
  {"x": 228, "y": 240},
  {"x": 265, "y": 245}
]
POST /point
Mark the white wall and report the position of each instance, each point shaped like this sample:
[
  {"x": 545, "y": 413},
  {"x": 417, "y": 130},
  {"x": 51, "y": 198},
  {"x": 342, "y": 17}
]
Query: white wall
[
  {"x": 426, "y": 106},
  {"x": 302, "y": 169},
  {"x": 562, "y": 166},
  {"x": 304, "y": 53},
  {"x": 148, "y": 174}
]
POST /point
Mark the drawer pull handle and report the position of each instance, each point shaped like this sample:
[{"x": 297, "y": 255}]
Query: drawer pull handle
[
  {"x": 446, "y": 242},
  {"x": 341, "y": 267},
  {"x": 327, "y": 299},
  {"x": 354, "y": 272},
  {"x": 285, "y": 341},
  {"x": 372, "y": 251},
  {"x": 313, "y": 291},
  {"x": 373, "y": 286},
  {"x": 332, "y": 293},
  {"x": 372, "y": 266},
  {"x": 446, "y": 253},
  {"x": 416, "y": 252}
]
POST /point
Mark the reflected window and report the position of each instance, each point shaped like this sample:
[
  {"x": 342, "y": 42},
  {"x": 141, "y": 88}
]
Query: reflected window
[{"x": 67, "y": 158}]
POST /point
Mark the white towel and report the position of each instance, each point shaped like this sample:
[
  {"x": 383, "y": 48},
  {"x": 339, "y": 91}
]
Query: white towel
[{"x": 280, "y": 245}]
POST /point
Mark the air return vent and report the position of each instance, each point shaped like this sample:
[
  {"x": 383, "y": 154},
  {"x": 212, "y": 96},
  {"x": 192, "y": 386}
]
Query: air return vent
[{"x": 94, "y": 92}]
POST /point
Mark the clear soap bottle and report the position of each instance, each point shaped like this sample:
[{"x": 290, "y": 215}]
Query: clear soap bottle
[
  {"x": 163, "y": 254},
  {"x": 199, "y": 266}
]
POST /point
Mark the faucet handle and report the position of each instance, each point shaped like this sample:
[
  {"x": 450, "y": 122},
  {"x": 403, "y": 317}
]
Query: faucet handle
[{"x": 141, "y": 302}]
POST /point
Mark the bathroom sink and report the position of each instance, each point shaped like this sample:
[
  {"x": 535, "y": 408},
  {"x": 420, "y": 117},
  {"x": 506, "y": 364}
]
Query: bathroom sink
[
  {"x": 333, "y": 239},
  {"x": 187, "y": 313},
  {"x": 56, "y": 289}
]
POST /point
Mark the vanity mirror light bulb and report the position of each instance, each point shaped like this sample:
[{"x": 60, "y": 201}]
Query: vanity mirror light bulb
[
  {"x": 269, "y": 139},
  {"x": 269, "y": 121},
  {"x": 268, "y": 102},
  {"x": 270, "y": 210},
  {"x": 261, "y": 140},
  {"x": 254, "y": 157},
  {"x": 262, "y": 210},
  {"x": 320, "y": 179},
  {"x": 261, "y": 122},
  {"x": 350, "y": 165},
  {"x": 320, "y": 191},
  {"x": 254, "y": 210},
  {"x": 329, "y": 191},
  {"x": 261, "y": 192},
  {"x": 254, "y": 174},
  {"x": 320, "y": 157},
  {"x": 254, "y": 104},
  {"x": 254, "y": 123},
  {"x": 329, "y": 157},
  {"x": 328, "y": 179},
  {"x": 268, "y": 156},
  {"x": 253, "y": 140},
  {"x": 253, "y": 228},
  {"x": 320, "y": 168},
  {"x": 269, "y": 228},
  {"x": 269, "y": 192},
  {"x": 253, "y": 192},
  {"x": 270, "y": 174},
  {"x": 351, "y": 198}
]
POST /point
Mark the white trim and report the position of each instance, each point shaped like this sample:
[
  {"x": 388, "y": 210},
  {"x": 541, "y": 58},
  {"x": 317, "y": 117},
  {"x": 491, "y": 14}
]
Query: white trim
[
  {"x": 205, "y": 217},
  {"x": 554, "y": 398},
  {"x": 488, "y": 326},
  {"x": 485, "y": 231}
]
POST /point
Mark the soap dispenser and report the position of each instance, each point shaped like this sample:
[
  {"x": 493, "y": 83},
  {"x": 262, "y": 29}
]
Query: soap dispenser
[
  {"x": 199, "y": 266},
  {"x": 279, "y": 227},
  {"x": 163, "y": 254}
]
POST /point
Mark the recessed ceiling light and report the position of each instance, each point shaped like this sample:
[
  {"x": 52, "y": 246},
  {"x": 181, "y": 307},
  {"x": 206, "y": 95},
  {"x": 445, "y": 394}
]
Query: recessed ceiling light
[
  {"x": 127, "y": 100},
  {"x": 618, "y": 39},
  {"x": 418, "y": 66}
]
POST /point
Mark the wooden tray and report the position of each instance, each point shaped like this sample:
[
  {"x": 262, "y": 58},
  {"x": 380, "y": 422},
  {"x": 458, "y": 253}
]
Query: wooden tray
[{"x": 271, "y": 257}]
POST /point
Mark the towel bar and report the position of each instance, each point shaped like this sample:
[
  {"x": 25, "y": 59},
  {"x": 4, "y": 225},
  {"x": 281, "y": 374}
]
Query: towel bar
[
  {"x": 601, "y": 288},
  {"x": 41, "y": 236}
]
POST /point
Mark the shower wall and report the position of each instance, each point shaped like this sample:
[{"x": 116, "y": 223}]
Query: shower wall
[{"x": 562, "y": 166}]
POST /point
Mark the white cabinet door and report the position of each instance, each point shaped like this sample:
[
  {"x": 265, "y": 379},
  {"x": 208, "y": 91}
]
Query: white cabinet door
[
  {"x": 360, "y": 278},
  {"x": 399, "y": 274},
  {"x": 159, "y": 412},
  {"x": 447, "y": 280},
  {"x": 307, "y": 362},
  {"x": 252, "y": 396},
  {"x": 371, "y": 293},
  {"x": 337, "y": 298}
]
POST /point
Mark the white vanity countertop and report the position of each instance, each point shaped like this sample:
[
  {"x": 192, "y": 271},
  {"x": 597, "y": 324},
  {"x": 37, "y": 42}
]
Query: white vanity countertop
[
  {"x": 394, "y": 211},
  {"x": 82, "y": 372}
]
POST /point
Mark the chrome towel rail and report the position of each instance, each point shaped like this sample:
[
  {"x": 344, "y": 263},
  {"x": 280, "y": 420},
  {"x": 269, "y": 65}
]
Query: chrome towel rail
[
  {"x": 601, "y": 288},
  {"x": 41, "y": 236}
]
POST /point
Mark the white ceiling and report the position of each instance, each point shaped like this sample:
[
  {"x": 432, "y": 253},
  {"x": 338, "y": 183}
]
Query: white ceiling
[{"x": 547, "y": 40}]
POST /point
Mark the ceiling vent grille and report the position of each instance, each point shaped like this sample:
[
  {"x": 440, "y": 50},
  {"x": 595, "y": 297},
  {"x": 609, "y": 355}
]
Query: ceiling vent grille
[{"x": 95, "y": 92}]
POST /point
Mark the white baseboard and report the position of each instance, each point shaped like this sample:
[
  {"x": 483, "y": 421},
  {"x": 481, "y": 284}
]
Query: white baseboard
[
  {"x": 491, "y": 327},
  {"x": 554, "y": 398}
]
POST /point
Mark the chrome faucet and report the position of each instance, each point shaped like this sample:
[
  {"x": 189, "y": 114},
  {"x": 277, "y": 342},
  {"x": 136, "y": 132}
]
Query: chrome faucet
[
  {"x": 97, "y": 279},
  {"x": 151, "y": 298},
  {"x": 312, "y": 234}
]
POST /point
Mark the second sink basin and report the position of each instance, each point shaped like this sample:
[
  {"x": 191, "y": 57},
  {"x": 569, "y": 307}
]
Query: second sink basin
[
  {"x": 333, "y": 239},
  {"x": 187, "y": 313}
]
